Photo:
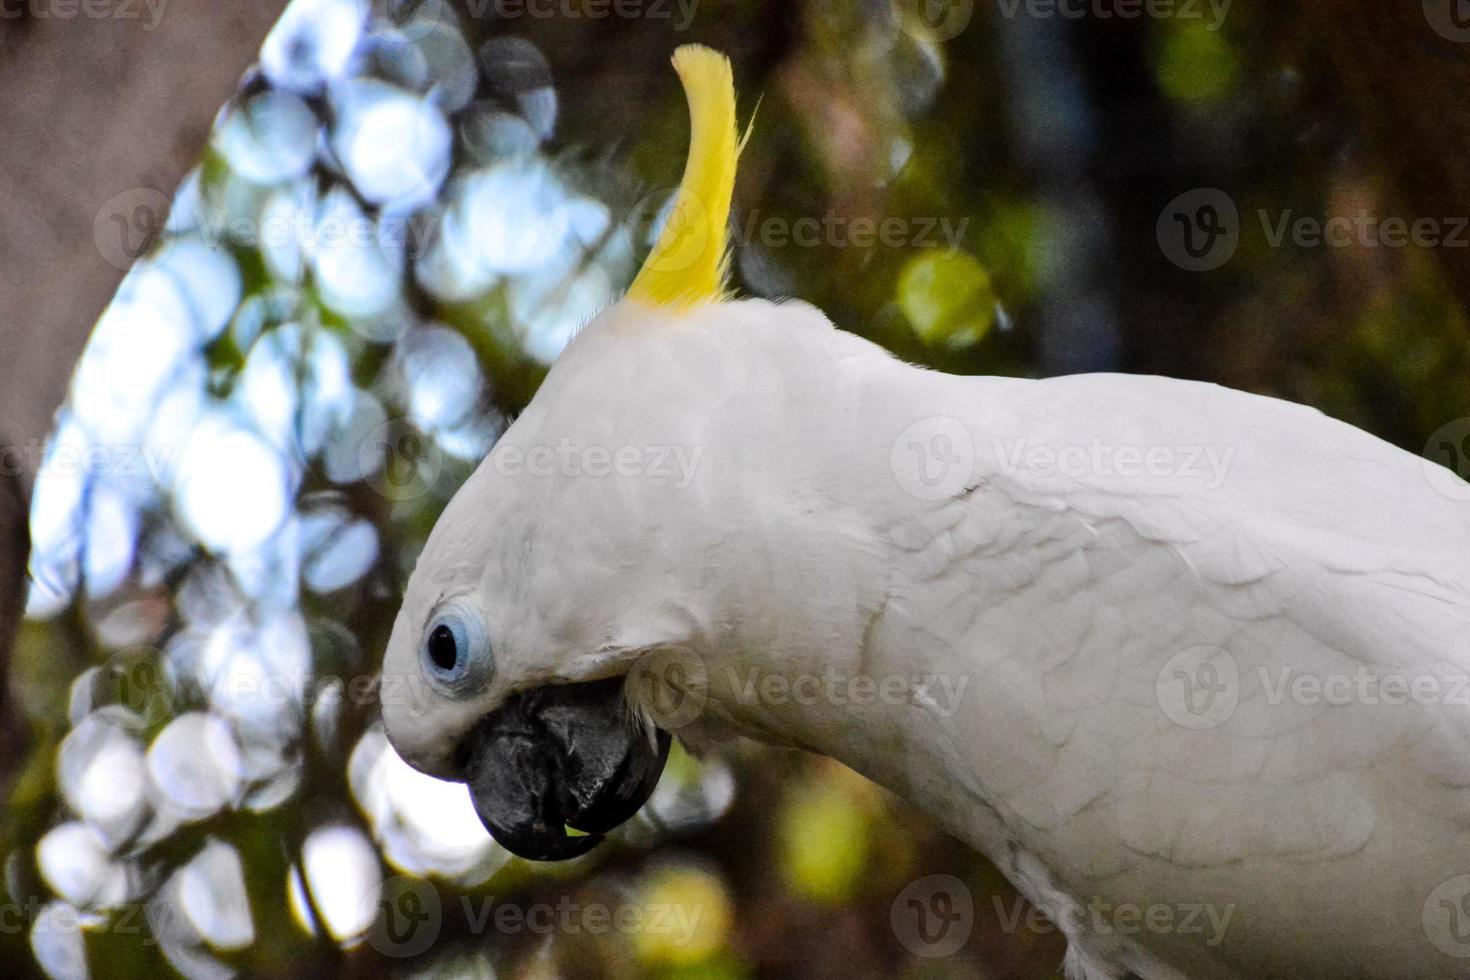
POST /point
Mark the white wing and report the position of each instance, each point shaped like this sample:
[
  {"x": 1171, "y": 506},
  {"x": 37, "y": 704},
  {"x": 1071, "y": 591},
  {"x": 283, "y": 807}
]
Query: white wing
[{"x": 1238, "y": 681}]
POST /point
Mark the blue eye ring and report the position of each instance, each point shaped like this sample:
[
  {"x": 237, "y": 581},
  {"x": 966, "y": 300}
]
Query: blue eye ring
[{"x": 456, "y": 649}]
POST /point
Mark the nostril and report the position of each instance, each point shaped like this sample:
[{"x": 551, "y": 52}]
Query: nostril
[{"x": 463, "y": 754}]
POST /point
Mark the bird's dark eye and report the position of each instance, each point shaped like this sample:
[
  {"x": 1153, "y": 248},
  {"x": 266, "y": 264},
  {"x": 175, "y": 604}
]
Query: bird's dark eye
[
  {"x": 456, "y": 649},
  {"x": 443, "y": 649}
]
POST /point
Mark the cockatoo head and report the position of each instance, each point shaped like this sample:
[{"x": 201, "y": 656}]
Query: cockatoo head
[{"x": 541, "y": 583}]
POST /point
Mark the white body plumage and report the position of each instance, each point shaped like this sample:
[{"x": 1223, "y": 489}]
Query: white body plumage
[{"x": 1052, "y": 600}]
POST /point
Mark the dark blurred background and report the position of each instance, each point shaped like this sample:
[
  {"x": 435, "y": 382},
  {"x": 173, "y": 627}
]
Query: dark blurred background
[{"x": 398, "y": 222}]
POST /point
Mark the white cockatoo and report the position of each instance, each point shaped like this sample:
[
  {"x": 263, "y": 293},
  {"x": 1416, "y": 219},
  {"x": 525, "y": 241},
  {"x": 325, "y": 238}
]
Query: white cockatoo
[{"x": 1163, "y": 651}]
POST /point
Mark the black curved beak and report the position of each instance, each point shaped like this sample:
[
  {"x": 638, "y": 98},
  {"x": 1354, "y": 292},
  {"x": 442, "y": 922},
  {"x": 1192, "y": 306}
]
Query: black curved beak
[{"x": 560, "y": 756}]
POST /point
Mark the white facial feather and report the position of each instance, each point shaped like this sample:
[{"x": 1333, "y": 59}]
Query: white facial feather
[{"x": 661, "y": 448}]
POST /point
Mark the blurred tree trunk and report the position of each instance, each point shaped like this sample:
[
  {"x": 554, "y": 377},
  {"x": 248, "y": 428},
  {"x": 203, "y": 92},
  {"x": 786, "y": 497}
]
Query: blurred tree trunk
[
  {"x": 1406, "y": 68},
  {"x": 100, "y": 118}
]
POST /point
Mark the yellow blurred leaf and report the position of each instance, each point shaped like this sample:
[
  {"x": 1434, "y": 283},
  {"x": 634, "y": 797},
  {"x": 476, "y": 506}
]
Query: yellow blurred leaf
[
  {"x": 687, "y": 917},
  {"x": 1196, "y": 64},
  {"x": 947, "y": 297},
  {"x": 824, "y": 842}
]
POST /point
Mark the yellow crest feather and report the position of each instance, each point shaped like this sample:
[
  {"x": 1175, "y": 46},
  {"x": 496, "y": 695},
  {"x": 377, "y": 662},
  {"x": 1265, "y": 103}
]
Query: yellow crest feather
[{"x": 689, "y": 262}]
